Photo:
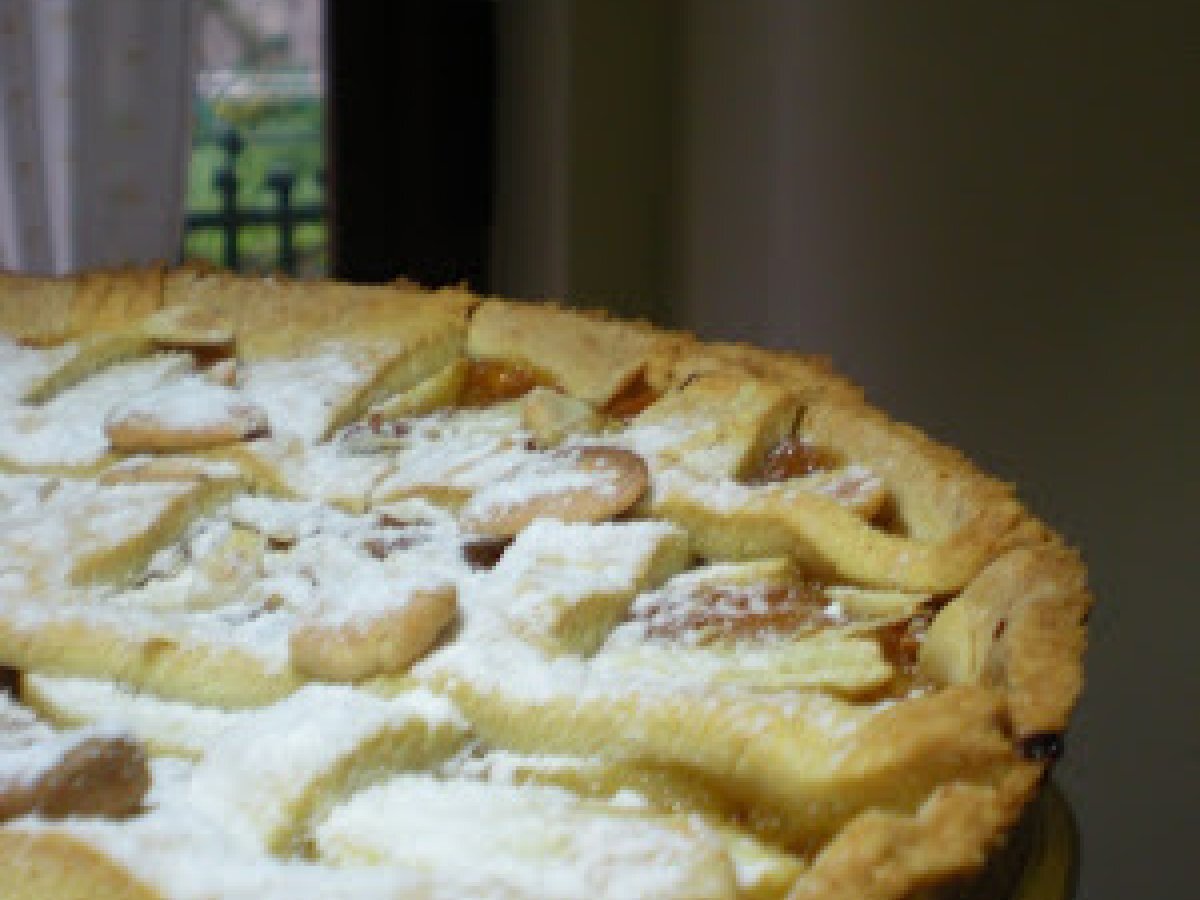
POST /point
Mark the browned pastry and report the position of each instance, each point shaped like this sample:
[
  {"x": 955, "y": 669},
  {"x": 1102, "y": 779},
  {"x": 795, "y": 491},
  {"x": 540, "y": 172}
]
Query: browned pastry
[{"x": 418, "y": 594}]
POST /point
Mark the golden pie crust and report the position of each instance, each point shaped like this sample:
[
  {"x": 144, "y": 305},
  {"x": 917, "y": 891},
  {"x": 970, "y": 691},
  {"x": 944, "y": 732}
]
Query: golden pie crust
[{"x": 326, "y": 551}]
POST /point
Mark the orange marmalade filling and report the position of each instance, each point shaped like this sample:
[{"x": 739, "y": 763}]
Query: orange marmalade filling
[
  {"x": 794, "y": 457},
  {"x": 708, "y": 615},
  {"x": 900, "y": 643},
  {"x": 631, "y": 399},
  {"x": 492, "y": 381},
  {"x": 730, "y": 612}
]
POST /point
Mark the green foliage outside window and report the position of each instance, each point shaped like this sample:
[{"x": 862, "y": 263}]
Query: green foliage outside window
[{"x": 275, "y": 132}]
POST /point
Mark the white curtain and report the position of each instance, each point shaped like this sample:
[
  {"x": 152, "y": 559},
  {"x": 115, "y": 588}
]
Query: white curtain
[{"x": 95, "y": 113}]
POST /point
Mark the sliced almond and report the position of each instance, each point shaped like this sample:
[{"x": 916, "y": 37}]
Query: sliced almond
[
  {"x": 373, "y": 645},
  {"x": 165, "y": 727},
  {"x": 618, "y": 478}
]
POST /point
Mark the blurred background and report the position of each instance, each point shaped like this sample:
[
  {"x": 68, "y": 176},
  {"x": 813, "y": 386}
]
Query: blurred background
[{"x": 987, "y": 214}]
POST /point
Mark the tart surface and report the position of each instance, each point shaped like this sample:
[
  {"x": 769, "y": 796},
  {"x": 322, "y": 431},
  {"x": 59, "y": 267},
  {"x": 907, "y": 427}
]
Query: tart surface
[{"x": 332, "y": 590}]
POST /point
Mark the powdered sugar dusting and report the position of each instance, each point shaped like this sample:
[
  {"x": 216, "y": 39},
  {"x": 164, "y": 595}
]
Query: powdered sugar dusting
[
  {"x": 303, "y": 395},
  {"x": 189, "y": 403},
  {"x": 21, "y": 367},
  {"x": 535, "y": 840},
  {"x": 68, "y": 429}
]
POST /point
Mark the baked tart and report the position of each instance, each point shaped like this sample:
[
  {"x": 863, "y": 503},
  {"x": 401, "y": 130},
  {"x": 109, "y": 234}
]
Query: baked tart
[{"x": 320, "y": 590}]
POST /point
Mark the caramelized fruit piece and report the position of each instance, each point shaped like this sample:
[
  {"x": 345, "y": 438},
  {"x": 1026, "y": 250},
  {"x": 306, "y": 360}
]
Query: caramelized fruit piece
[
  {"x": 490, "y": 381},
  {"x": 631, "y": 400},
  {"x": 484, "y": 553},
  {"x": 740, "y": 611},
  {"x": 795, "y": 457},
  {"x": 97, "y": 776},
  {"x": 900, "y": 643},
  {"x": 10, "y": 681}
]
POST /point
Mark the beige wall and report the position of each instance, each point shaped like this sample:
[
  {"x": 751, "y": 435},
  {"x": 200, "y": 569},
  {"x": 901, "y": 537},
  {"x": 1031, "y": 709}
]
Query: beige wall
[{"x": 989, "y": 217}]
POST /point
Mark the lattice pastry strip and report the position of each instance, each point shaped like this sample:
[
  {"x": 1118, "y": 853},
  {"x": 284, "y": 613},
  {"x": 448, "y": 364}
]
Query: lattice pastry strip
[
  {"x": 176, "y": 851},
  {"x": 309, "y": 396},
  {"x": 820, "y": 531},
  {"x": 439, "y": 390},
  {"x": 809, "y": 761},
  {"x": 762, "y": 870},
  {"x": 446, "y": 456},
  {"x": 278, "y": 318},
  {"x": 68, "y": 431},
  {"x": 564, "y": 586},
  {"x": 534, "y": 840},
  {"x": 165, "y": 727},
  {"x": 144, "y": 469},
  {"x": 24, "y": 367},
  {"x": 205, "y": 659},
  {"x": 830, "y": 660},
  {"x": 84, "y": 358},
  {"x": 274, "y": 772},
  {"x": 309, "y": 391},
  {"x": 191, "y": 325},
  {"x": 250, "y": 599},
  {"x": 591, "y": 359},
  {"x": 287, "y": 467},
  {"x": 716, "y": 425},
  {"x": 56, "y": 533}
]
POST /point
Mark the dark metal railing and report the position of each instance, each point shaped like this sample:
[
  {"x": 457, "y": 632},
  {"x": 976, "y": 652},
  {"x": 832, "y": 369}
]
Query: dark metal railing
[{"x": 230, "y": 218}]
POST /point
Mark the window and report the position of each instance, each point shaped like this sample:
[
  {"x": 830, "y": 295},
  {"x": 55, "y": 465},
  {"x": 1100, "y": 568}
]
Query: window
[{"x": 256, "y": 180}]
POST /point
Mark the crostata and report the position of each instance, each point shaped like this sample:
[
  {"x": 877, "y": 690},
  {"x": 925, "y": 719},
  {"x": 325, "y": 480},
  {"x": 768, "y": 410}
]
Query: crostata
[{"x": 321, "y": 590}]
